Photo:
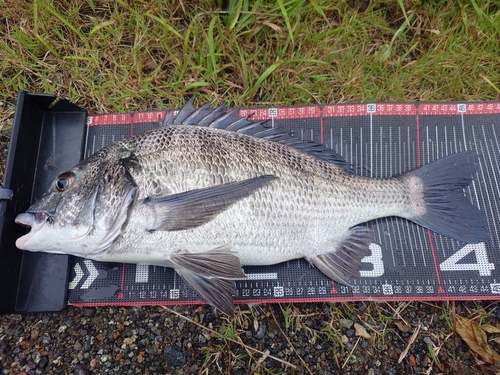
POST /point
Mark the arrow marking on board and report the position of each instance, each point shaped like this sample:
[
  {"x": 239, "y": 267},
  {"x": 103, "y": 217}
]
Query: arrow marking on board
[
  {"x": 93, "y": 274},
  {"x": 78, "y": 277}
]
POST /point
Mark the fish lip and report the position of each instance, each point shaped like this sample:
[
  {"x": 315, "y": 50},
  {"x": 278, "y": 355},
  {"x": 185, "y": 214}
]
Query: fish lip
[{"x": 33, "y": 220}]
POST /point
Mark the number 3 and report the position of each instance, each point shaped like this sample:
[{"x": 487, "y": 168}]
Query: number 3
[{"x": 376, "y": 260}]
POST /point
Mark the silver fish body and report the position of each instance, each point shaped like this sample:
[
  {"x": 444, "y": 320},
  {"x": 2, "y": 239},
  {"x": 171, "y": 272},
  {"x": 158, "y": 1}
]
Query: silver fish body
[{"x": 228, "y": 192}]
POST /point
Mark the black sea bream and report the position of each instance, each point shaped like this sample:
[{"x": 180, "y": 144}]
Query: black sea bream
[{"x": 210, "y": 192}]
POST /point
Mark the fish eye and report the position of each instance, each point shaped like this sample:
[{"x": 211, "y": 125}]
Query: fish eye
[{"x": 64, "y": 181}]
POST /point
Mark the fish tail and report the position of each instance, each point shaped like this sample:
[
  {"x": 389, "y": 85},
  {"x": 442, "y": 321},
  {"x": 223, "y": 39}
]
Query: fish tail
[{"x": 438, "y": 201}]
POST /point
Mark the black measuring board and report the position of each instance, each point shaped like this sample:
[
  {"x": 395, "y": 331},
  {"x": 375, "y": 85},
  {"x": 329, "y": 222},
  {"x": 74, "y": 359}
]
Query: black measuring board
[{"x": 407, "y": 262}]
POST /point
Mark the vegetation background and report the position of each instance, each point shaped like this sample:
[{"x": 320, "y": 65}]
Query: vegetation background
[{"x": 115, "y": 56}]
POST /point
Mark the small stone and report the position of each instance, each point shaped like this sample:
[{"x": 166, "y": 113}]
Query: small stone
[
  {"x": 349, "y": 333},
  {"x": 36, "y": 356},
  {"x": 93, "y": 362},
  {"x": 46, "y": 339},
  {"x": 43, "y": 362},
  {"x": 173, "y": 356},
  {"x": 412, "y": 361},
  {"x": 89, "y": 312},
  {"x": 16, "y": 317},
  {"x": 4, "y": 346},
  {"x": 346, "y": 323},
  {"x": 261, "y": 330},
  {"x": 193, "y": 368},
  {"x": 428, "y": 340},
  {"x": 34, "y": 334},
  {"x": 81, "y": 370}
]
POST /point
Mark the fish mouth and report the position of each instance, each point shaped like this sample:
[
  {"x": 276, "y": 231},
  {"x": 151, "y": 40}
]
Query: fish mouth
[{"x": 33, "y": 220}]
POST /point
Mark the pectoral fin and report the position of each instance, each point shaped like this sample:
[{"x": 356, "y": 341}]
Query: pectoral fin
[
  {"x": 193, "y": 208},
  {"x": 211, "y": 275},
  {"x": 345, "y": 260}
]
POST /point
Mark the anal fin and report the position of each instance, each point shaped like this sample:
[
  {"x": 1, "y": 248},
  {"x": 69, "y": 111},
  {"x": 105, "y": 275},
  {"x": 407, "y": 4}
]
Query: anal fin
[
  {"x": 211, "y": 274},
  {"x": 345, "y": 260}
]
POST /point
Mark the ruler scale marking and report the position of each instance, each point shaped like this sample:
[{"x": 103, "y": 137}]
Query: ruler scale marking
[{"x": 387, "y": 156}]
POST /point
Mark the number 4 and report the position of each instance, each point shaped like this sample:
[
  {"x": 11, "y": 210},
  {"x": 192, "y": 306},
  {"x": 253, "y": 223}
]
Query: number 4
[{"x": 482, "y": 265}]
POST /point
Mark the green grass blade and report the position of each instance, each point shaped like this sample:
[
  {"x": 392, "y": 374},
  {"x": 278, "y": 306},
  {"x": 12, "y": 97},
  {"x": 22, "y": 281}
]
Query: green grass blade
[
  {"x": 211, "y": 44},
  {"x": 287, "y": 19},
  {"x": 164, "y": 24},
  {"x": 265, "y": 75},
  {"x": 68, "y": 24},
  {"x": 100, "y": 26}
]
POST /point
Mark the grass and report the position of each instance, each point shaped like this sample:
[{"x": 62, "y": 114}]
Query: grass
[
  {"x": 126, "y": 56},
  {"x": 112, "y": 56}
]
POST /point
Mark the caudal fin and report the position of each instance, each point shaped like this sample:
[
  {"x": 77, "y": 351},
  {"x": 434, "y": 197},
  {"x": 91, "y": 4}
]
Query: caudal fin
[{"x": 445, "y": 209}]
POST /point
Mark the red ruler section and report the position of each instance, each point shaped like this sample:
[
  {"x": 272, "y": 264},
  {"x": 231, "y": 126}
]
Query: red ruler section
[{"x": 407, "y": 262}]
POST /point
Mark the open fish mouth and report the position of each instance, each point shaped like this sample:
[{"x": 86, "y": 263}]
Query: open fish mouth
[{"x": 33, "y": 220}]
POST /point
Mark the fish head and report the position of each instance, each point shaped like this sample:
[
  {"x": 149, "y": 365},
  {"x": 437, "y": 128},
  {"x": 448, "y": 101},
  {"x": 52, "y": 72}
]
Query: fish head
[{"x": 83, "y": 211}]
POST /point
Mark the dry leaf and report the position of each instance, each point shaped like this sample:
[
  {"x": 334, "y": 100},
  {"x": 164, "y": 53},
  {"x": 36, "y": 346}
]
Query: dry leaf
[
  {"x": 361, "y": 331},
  {"x": 403, "y": 326},
  {"x": 476, "y": 339},
  {"x": 489, "y": 328}
]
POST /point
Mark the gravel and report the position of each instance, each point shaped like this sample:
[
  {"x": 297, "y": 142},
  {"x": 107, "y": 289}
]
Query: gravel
[{"x": 308, "y": 339}]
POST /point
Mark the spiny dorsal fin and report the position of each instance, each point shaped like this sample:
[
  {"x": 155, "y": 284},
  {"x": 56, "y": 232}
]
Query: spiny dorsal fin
[{"x": 229, "y": 119}]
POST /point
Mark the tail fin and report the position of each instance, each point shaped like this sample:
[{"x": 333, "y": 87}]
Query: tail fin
[{"x": 445, "y": 208}]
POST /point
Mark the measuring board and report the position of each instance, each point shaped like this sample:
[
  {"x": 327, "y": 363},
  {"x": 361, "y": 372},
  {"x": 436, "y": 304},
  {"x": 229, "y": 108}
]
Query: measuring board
[{"x": 407, "y": 262}]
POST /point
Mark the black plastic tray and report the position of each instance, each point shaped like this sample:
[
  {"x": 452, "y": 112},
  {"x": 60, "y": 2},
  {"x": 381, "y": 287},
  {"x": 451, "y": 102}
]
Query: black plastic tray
[{"x": 47, "y": 136}]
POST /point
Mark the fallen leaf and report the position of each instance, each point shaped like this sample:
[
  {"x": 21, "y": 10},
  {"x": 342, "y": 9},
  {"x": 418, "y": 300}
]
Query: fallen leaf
[
  {"x": 489, "y": 328},
  {"x": 476, "y": 339},
  {"x": 361, "y": 331},
  {"x": 403, "y": 326}
]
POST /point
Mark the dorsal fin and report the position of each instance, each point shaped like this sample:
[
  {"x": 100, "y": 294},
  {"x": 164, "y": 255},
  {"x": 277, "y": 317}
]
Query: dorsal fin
[{"x": 229, "y": 119}]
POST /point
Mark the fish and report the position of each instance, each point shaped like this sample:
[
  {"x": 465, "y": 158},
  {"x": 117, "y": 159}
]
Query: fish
[{"x": 209, "y": 192}]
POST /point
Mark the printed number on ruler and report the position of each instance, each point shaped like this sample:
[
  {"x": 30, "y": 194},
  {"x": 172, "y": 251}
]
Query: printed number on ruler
[
  {"x": 375, "y": 259},
  {"x": 482, "y": 265}
]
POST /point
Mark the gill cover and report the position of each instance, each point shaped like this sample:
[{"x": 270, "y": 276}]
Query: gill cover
[{"x": 84, "y": 210}]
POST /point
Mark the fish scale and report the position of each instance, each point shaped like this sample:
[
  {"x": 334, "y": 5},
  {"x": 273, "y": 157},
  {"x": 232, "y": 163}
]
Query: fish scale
[{"x": 160, "y": 199}]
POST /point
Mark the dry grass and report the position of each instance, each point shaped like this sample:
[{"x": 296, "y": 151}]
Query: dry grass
[{"x": 115, "y": 56}]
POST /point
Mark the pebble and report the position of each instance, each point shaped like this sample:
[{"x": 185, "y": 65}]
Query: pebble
[
  {"x": 89, "y": 312},
  {"x": 173, "y": 356},
  {"x": 261, "y": 330},
  {"x": 428, "y": 340},
  {"x": 81, "y": 370},
  {"x": 130, "y": 341},
  {"x": 346, "y": 323},
  {"x": 350, "y": 332}
]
